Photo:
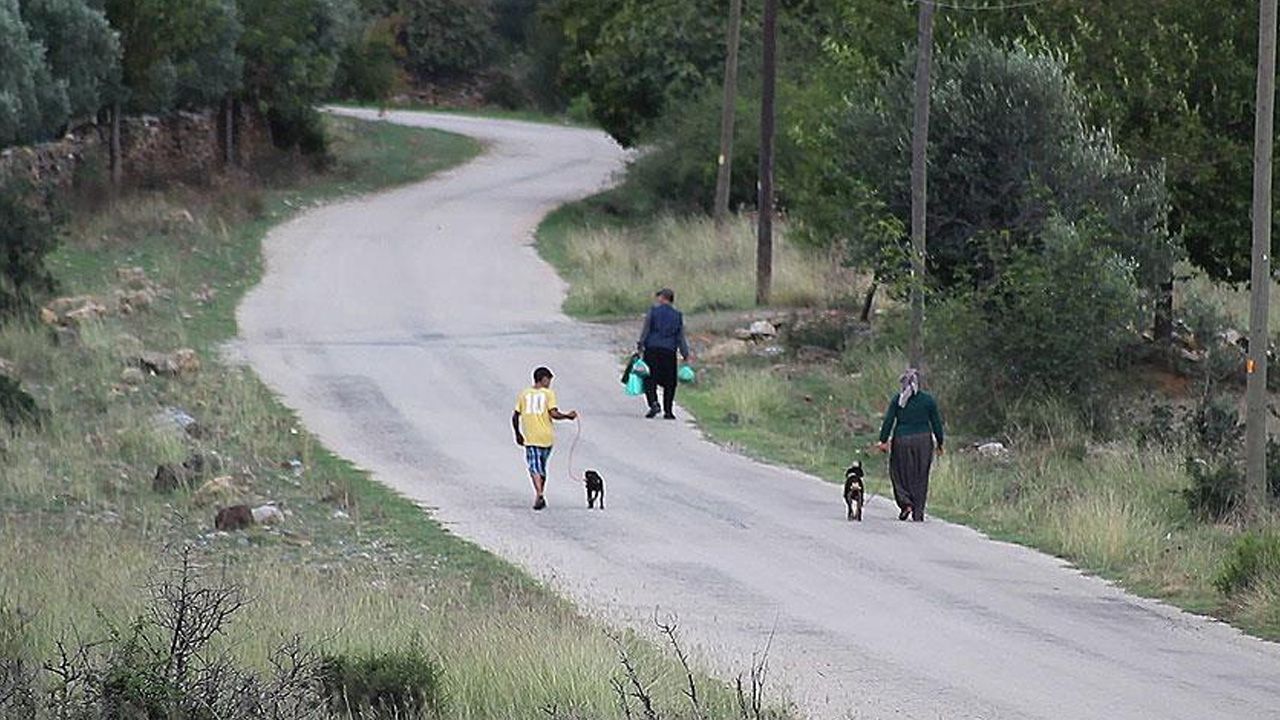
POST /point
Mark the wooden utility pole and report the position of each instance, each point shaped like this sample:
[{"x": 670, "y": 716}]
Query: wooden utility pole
[
  {"x": 725, "y": 161},
  {"x": 764, "y": 236},
  {"x": 919, "y": 178},
  {"x": 1255, "y": 442}
]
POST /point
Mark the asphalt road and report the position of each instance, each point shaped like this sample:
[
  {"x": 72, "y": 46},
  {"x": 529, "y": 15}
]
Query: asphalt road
[{"x": 400, "y": 326}]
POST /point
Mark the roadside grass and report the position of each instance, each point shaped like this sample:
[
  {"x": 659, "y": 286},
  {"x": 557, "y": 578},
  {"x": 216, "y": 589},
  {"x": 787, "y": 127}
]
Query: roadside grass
[
  {"x": 617, "y": 267},
  {"x": 354, "y": 567},
  {"x": 495, "y": 112},
  {"x": 1113, "y": 508}
]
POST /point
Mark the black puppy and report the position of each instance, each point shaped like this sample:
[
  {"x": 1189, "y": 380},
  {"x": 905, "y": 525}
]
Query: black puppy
[
  {"x": 854, "y": 490},
  {"x": 595, "y": 489}
]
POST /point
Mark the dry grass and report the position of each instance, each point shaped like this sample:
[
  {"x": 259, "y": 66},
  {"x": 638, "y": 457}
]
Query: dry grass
[{"x": 615, "y": 271}]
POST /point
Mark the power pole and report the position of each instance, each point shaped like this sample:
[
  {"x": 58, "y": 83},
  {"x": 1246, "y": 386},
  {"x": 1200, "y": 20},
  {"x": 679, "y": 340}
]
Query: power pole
[
  {"x": 1255, "y": 443},
  {"x": 919, "y": 177},
  {"x": 725, "y": 161},
  {"x": 764, "y": 235}
]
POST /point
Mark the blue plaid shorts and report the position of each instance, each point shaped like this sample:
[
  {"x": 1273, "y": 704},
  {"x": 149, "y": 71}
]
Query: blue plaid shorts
[{"x": 536, "y": 458}]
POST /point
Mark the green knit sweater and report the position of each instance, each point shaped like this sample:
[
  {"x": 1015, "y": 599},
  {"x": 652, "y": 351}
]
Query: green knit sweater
[{"x": 919, "y": 416}]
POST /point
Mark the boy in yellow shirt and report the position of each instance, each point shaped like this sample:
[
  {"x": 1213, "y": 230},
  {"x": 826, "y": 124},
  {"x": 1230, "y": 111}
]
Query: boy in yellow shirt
[{"x": 535, "y": 409}]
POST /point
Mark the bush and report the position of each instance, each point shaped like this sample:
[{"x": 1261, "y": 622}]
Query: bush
[
  {"x": 28, "y": 232},
  {"x": 677, "y": 170},
  {"x": 448, "y": 38},
  {"x": 368, "y": 68},
  {"x": 297, "y": 126},
  {"x": 1254, "y": 558},
  {"x": 398, "y": 684},
  {"x": 1055, "y": 324}
]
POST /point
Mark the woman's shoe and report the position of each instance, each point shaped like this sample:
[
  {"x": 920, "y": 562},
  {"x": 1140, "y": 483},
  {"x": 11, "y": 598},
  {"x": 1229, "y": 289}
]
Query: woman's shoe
[{"x": 906, "y": 513}]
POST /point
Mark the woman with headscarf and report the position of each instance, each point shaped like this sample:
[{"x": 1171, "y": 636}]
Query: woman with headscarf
[{"x": 915, "y": 426}]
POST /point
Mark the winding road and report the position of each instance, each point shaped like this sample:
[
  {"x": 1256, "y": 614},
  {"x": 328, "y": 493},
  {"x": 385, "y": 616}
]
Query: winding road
[{"x": 400, "y": 326}]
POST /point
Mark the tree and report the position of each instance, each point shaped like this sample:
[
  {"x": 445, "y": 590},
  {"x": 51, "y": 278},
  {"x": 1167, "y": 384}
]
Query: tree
[
  {"x": 1009, "y": 148},
  {"x": 32, "y": 102},
  {"x": 447, "y": 38},
  {"x": 291, "y": 50},
  {"x": 81, "y": 49},
  {"x": 1174, "y": 81}
]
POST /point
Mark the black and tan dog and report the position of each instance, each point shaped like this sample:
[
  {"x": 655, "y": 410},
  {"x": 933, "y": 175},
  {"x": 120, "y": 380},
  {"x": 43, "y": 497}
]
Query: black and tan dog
[
  {"x": 595, "y": 489},
  {"x": 854, "y": 490}
]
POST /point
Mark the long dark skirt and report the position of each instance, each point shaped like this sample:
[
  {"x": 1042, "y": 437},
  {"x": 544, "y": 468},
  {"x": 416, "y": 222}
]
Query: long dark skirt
[{"x": 910, "y": 458}]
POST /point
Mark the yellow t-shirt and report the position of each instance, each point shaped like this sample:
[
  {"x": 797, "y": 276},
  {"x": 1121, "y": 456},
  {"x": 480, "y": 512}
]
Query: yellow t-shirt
[{"x": 534, "y": 405}]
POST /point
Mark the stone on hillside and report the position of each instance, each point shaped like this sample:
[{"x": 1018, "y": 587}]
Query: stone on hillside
[
  {"x": 132, "y": 301},
  {"x": 993, "y": 450},
  {"x": 133, "y": 278},
  {"x": 132, "y": 376},
  {"x": 742, "y": 334},
  {"x": 267, "y": 514},
  {"x": 222, "y": 487},
  {"x": 178, "y": 363},
  {"x": 723, "y": 350},
  {"x": 179, "y": 419},
  {"x": 48, "y": 317},
  {"x": 8, "y": 369},
  {"x": 234, "y": 517},
  {"x": 762, "y": 329}
]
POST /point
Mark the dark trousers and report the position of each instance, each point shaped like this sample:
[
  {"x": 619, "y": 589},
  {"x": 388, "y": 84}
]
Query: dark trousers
[
  {"x": 910, "y": 459},
  {"x": 662, "y": 373}
]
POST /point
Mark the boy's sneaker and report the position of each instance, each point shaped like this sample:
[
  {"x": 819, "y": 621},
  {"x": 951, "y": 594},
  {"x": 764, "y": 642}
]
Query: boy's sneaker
[{"x": 539, "y": 503}]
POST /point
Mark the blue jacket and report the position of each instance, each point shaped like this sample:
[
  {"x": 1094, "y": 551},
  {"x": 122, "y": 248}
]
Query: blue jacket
[{"x": 663, "y": 328}]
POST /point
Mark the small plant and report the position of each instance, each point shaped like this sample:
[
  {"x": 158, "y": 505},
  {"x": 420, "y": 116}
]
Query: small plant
[
  {"x": 28, "y": 232},
  {"x": 397, "y": 684},
  {"x": 1255, "y": 557}
]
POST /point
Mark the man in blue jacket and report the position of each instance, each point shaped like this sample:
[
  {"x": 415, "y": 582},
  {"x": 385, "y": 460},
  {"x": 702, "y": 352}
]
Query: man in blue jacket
[{"x": 660, "y": 338}]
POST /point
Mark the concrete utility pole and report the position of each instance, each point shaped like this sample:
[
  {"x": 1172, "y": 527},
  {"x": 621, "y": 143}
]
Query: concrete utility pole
[
  {"x": 919, "y": 178},
  {"x": 764, "y": 237},
  {"x": 725, "y": 167},
  {"x": 1255, "y": 443}
]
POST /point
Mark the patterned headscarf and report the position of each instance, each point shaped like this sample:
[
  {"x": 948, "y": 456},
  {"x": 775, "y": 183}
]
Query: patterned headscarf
[{"x": 910, "y": 382}]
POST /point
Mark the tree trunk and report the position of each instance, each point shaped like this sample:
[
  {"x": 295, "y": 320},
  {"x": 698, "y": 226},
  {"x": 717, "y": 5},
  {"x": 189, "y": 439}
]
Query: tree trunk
[
  {"x": 727, "y": 115},
  {"x": 919, "y": 178},
  {"x": 1260, "y": 279},
  {"x": 869, "y": 301},
  {"x": 1163, "y": 328},
  {"x": 229, "y": 131},
  {"x": 764, "y": 237},
  {"x": 117, "y": 156}
]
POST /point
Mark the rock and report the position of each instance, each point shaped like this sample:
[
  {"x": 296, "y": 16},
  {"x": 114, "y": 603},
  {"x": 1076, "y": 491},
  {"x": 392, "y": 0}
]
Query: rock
[
  {"x": 204, "y": 294},
  {"x": 992, "y": 450},
  {"x": 186, "y": 361},
  {"x": 1231, "y": 336},
  {"x": 723, "y": 350},
  {"x": 134, "y": 278},
  {"x": 181, "y": 419},
  {"x": 8, "y": 369},
  {"x": 48, "y": 317},
  {"x": 234, "y": 517},
  {"x": 220, "y": 488},
  {"x": 267, "y": 515},
  {"x": 132, "y": 376},
  {"x": 742, "y": 334},
  {"x": 762, "y": 329},
  {"x": 172, "y": 477},
  {"x": 132, "y": 301},
  {"x": 90, "y": 311},
  {"x": 168, "y": 478},
  {"x": 340, "y": 515},
  {"x": 128, "y": 346},
  {"x": 175, "y": 364},
  {"x": 771, "y": 351}
]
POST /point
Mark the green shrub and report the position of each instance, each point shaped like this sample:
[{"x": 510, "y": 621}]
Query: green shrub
[
  {"x": 28, "y": 232},
  {"x": 1253, "y": 558},
  {"x": 447, "y": 38},
  {"x": 368, "y": 68},
  {"x": 398, "y": 684},
  {"x": 297, "y": 126},
  {"x": 16, "y": 406},
  {"x": 677, "y": 170},
  {"x": 1056, "y": 323}
]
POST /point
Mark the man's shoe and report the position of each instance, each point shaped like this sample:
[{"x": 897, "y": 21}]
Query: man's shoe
[
  {"x": 668, "y": 416},
  {"x": 653, "y": 413},
  {"x": 539, "y": 503}
]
